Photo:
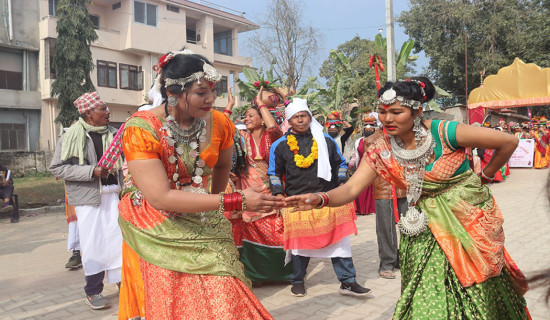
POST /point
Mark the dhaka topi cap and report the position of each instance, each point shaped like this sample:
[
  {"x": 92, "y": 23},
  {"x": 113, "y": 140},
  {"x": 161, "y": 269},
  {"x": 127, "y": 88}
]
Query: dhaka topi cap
[{"x": 88, "y": 101}]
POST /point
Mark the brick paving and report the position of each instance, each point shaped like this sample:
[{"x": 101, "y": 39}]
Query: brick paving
[{"x": 35, "y": 285}]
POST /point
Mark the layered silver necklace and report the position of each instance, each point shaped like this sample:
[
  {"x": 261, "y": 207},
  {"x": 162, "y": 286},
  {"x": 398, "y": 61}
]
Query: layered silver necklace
[
  {"x": 413, "y": 162},
  {"x": 177, "y": 138}
]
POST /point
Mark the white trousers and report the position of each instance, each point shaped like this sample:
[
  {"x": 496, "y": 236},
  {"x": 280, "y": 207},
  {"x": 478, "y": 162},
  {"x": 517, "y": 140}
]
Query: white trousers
[{"x": 100, "y": 236}]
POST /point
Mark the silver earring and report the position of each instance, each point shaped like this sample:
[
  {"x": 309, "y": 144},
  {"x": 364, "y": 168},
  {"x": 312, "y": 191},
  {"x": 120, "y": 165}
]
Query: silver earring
[
  {"x": 172, "y": 101},
  {"x": 417, "y": 128}
]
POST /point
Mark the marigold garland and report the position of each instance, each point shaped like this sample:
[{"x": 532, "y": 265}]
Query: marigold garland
[{"x": 300, "y": 160}]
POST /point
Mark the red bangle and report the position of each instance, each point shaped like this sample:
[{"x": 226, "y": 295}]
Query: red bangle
[
  {"x": 233, "y": 202},
  {"x": 229, "y": 112},
  {"x": 261, "y": 106}
]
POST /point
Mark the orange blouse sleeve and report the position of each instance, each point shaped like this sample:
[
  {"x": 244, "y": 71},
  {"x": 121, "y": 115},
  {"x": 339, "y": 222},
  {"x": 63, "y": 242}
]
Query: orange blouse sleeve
[
  {"x": 226, "y": 130},
  {"x": 138, "y": 144}
]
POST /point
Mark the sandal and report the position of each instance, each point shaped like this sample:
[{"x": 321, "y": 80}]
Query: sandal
[{"x": 386, "y": 274}]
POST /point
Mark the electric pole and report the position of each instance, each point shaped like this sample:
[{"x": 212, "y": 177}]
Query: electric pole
[{"x": 390, "y": 43}]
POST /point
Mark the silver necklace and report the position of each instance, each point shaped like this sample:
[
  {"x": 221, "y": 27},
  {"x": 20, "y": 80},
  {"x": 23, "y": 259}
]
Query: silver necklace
[
  {"x": 413, "y": 162},
  {"x": 184, "y": 135},
  {"x": 177, "y": 138}
]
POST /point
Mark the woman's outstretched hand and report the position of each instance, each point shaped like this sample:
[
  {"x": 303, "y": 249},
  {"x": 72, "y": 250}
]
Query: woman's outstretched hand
[
  {"x": 303, "y": 202},
  {"x": 261, "y": 202}
]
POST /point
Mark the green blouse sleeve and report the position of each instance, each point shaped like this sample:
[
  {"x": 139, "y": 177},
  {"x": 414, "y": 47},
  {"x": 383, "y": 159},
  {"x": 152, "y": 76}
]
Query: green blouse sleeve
[{"x": 451, "y": 135}]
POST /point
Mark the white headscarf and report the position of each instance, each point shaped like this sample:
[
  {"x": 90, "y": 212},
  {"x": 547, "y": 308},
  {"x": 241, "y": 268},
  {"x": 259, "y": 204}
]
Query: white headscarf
[
  {"x": 323, "y": 163},
  {"x": 155, "y": 96}
]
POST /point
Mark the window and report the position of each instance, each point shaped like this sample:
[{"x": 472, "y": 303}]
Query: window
[
  {"x": 95, "y": 21},
  {"x": 117, "y": 5},
  {"x": 52, "y": 7},
  {"x": 131, "y": 77},
  {"x": 223, "y": 43},
  {"x": 191, "y": 36},
  {"x": 106, "y": 74},
  {"x": 12, "y": 136},
  {"x": 222, "y": 86},
  {"x": 145, "y": 13},
  {"x": 49, "y": 53},
  {"x": 11, "y": 80},
  {"x": 172, "y": 8}
]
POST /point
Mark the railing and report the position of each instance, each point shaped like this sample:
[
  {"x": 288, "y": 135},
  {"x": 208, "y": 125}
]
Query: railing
[{"x": 219, "y": 7}]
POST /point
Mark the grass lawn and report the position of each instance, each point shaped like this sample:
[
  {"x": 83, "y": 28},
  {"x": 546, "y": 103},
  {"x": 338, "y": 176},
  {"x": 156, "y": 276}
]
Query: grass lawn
[{"x": 39, "y": 190}]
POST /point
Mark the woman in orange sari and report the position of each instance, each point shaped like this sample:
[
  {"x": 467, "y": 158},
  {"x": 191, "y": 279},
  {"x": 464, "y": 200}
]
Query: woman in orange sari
[
  {"x": 171, "y": 213},
  {"x": 453, "y": 261},
  {"x": 540, "y": 135}
]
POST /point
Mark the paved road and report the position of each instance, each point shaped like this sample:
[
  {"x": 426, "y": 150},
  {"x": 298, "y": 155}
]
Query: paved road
[{"x": 35, "y": 285}]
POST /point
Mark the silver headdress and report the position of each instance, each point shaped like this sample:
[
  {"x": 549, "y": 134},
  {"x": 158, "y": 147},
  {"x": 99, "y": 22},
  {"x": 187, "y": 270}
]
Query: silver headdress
[
  {"x": 390, "y": 96},
  {"x": 209, "y": 72}
]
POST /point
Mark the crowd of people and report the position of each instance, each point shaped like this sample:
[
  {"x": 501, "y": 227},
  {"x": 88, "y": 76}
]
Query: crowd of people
[{"x": 206, "y": 210}]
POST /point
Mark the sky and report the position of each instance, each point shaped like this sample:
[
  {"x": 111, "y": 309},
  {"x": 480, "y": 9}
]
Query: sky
[{"x": 338, "y": 21}]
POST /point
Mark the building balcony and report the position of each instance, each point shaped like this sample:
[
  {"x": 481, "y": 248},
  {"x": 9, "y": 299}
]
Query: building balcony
[
  {"x": 17, "y": 99},
  {"x": 232, "y": 60},
  {"x": 47, "y": 27}
]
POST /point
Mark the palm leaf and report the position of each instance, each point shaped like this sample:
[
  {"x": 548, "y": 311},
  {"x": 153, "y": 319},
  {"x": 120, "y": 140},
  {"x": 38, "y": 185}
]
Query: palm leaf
[
  {"x": 380, "y": 42},
  {"x": 441, "y": 92},
  {"x": 251, "y": 74},
  {"x": 404, "y": 53}
]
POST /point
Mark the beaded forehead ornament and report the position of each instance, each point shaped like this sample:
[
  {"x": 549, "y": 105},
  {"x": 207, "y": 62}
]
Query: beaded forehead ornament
[{"x": 389, "y": 97}]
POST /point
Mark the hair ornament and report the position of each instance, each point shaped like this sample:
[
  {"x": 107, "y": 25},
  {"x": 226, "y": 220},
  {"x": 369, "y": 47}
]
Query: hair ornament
[
  {"x": 421, "y": 84},
  {"x": 390, "y": 96},
  {"x": 169, "y": 56}
]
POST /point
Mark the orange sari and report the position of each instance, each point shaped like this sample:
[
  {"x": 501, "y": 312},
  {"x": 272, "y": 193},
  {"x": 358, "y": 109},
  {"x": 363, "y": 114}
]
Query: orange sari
[{"x": 190, "y": 266}]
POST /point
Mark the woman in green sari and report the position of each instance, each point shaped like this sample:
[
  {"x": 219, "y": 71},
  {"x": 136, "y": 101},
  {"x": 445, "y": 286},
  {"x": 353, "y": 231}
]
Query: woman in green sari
[{"x": 454, "y": 264}]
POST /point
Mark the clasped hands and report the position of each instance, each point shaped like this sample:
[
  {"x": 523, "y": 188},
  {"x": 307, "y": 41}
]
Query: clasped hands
[{"x": 257, "y": 200}]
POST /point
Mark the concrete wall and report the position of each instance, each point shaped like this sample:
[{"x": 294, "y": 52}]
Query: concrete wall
[
  {"x": 24, "y": 27},
  {"x": 25, "y": 163}
]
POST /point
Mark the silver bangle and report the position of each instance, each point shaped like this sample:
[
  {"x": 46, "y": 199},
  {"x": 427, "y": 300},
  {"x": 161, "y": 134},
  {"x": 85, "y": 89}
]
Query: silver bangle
[
  {"x": 487, "y": 178},
  {"x": 322, "y": 201}
]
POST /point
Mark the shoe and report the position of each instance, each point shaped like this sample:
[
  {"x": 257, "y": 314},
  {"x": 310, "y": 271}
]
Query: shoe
[
  {"x": 298, "y": 290},
  {"x": 97, "y": 301},
  {"x": 354, "y": 289},
  {"x": 386, "y": 274},
  {"x": 75, "y": 261}
]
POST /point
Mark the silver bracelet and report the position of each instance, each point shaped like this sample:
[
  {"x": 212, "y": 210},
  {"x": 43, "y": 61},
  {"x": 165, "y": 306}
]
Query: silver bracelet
[{"x": 487, "y": 178}]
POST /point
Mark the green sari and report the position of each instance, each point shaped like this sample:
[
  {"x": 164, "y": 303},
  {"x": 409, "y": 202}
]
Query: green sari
[{"x": 458, "y": 267}]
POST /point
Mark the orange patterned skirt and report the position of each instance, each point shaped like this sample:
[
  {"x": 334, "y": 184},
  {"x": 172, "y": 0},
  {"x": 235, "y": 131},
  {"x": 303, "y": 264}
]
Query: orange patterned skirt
[
  {"x": 131, "y": 295},
  {"x": 171, "y": 295}
]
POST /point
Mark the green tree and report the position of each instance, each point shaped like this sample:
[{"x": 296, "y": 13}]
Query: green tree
[
  {"x": 362, "y": 88},
  {"x": 73, "y": 58},
  {"x": 496, "y": 31}
]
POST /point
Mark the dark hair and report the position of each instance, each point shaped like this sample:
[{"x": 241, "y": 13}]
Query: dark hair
[
  {"x": 255, "y": 108},
  {"x": 181, "y": 66},
  {"x": 411, "y": 89}
]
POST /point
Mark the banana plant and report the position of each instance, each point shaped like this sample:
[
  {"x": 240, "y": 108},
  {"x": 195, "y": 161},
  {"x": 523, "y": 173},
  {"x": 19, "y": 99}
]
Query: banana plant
[
  {"x": 336, "y": 93},
  {"x": 315, "y": 101}
]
